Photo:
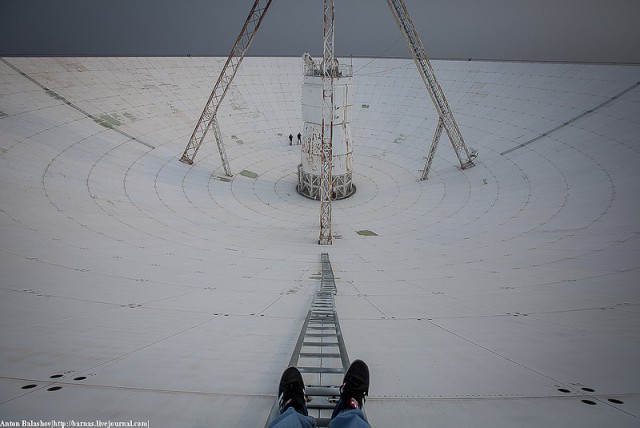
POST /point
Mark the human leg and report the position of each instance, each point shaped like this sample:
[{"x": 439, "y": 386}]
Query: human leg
[
  {"x": 291, "y": 401},
  {"x": 292, "y": 419},
  {"x": 355, "y": 387},
  {"x": 350, "y": 418}
]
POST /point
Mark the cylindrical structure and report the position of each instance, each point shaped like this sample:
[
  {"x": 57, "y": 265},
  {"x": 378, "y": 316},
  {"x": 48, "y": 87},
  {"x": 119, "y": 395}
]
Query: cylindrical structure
[{"x": 310, "y": 168}]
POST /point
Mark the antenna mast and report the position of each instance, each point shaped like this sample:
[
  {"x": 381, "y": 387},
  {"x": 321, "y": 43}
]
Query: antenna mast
[{"x": 329, "y": 68}]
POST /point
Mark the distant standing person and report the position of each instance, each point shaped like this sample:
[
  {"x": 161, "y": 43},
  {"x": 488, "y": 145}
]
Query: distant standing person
[
  {"x": 290, "y": 139},
  {"x": 299, "y": 138}
]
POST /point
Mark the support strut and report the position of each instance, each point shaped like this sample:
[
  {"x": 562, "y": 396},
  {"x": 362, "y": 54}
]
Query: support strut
[
  {"x": 446, "y": 119},
  {"x": 208, "y": 116}
]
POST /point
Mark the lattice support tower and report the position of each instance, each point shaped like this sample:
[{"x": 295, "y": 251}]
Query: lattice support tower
[
  {"x": 446, "y": 119},
  {"x": 208, "y": 117},
  {"x": 329, "y": 67}
]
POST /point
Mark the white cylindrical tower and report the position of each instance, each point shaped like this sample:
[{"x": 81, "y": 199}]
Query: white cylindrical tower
[{"x": 310, "y": 168}]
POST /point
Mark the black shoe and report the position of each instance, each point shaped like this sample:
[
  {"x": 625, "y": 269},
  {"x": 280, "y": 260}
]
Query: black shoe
[
  {"x": 291, "y": 391},
  {"x": 354, "y": 389}
]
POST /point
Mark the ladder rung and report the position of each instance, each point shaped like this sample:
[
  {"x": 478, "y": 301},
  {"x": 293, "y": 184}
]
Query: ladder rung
[
  {"x": 320, "y": 335},
  {"x": 320, "y": 405},
  {"x": 338, "y": 370},
  {"x": 319, "y": 344},
  {"x": 318, "y": 355},
  {"x": 325, "y": 391}
]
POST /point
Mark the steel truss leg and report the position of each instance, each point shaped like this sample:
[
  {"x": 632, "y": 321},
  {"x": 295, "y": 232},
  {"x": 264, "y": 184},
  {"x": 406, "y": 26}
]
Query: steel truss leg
[
  {"x": 329, "y": 68},
  {"x": 432, "y": 150},
  {"x": 208, "y": 116},
  {"x": 223, "y": 152},
  {"x": 437, "y": 95}
]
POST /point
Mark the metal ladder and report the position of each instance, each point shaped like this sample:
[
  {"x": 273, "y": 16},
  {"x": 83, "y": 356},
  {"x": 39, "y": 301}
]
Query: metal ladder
[{"x": 320, "y": 353}]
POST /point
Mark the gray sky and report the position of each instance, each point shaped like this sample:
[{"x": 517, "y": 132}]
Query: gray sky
[{"x": 549, "y": 30}]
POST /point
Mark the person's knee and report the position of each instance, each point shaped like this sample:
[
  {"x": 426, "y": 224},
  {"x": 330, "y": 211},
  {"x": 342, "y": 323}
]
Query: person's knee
[{"x": 353, "y": 418}]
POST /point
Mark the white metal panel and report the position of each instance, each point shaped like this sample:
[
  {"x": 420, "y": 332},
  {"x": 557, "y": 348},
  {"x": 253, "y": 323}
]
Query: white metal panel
[{"x": 179, "y": 294}]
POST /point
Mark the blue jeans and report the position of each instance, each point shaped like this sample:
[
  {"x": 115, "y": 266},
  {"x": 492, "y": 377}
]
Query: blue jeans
[{"x": 353, "y": 418}]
